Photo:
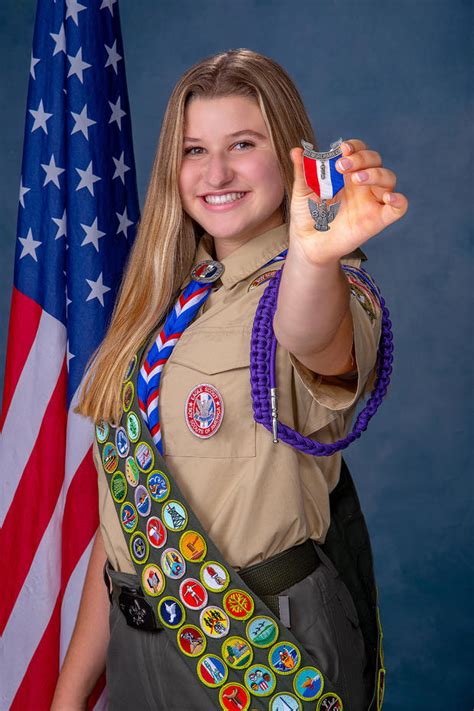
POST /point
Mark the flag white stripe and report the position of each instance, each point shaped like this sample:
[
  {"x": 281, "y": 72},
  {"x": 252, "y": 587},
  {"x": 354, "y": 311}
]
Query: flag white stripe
[
  {"x": 71, "y": 600},
  {"x": 31, "y": 397}
]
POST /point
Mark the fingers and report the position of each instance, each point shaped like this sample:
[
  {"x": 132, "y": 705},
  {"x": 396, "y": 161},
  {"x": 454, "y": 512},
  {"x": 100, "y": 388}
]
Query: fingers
[
  {"x": 357, "y": 161},
  {"x": 383, "y": 177},
  {"x": 300, "y": 187}
]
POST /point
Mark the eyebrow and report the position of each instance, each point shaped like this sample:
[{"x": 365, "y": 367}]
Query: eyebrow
[{"x": 246, "y": 132}]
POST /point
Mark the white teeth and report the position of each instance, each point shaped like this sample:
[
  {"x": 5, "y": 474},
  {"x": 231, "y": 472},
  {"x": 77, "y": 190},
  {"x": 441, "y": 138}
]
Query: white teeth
[{"x": 221, "y": 199}]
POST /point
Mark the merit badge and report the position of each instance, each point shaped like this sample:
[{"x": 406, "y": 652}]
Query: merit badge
[
  {"x": 260, "y": 680},
  {"x": 214, "y": 576},
  {"x": 234, "y": 697},
  {"x": 109, "y": 458},
  {"x": 131, "y": 472},
  {"x": 329, "y": 702},
  {"x": 171, "y": 612},
  {"x": 261, "y": 279},
  {"x": 173, "y": 563},
  {"x": 238, "y": 604},
  {"x": 308, "y": 683},
  {"x": 156, "y": 532},
  {"x": 139, "y": 548},
  {"x": 153, "y": 580},
  {"x": 142, "y": 500},
  {"x": 130, "y": 368},
  {"x": 204, "y": 410},
  {"x": 285, "y": 702},
  {"x": 193, "y": 546},
  {"x": 322, "y": 177},
  {"x": 101, "y": 431},
  {"x": 262, "y": 631},
  {"x": 214, "y": 622},
  {"x": 118, "y": 487},
  {"x": 128, "y": 517},
  {"x": 207, "y": 271},
  {"x": 121, "y": 442},
  {"x": 284, "y": 657},
  {"x": 193, "y": 594},
  {"x": 127, "y": 396},
  {"x": 133, "y": 427},
  {"x": 237, "y": 652},
  {"x": 212, "y": 670},
  {"x": 191, "y": 641},
  {"x": 144, "y": 457},
  {"x": 174, "y": 515},
  {"x": 158, "y": 486}
]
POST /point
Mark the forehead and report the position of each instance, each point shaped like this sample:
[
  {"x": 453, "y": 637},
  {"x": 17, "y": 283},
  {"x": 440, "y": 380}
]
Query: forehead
[{"x": 222, "y": 116}]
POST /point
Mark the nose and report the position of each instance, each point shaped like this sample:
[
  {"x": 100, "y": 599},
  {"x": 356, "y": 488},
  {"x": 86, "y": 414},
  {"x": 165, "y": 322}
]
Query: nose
[{"x": 218, "y": 171}]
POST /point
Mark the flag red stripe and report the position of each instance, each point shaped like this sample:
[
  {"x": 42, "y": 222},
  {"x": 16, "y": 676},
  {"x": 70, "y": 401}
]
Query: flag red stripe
[
  {"x": 311, "y": 174},
  {"x": 41, "y": 482},
  {"x": 25, "y": 316},
  {"x": 98, "y": 689}
]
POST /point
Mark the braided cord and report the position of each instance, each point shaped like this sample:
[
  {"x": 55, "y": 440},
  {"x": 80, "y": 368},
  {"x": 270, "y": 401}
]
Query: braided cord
[{"x": 262, "y": 371}]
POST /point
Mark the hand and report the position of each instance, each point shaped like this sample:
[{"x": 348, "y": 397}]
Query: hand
[{"x": 366, "y": 207}]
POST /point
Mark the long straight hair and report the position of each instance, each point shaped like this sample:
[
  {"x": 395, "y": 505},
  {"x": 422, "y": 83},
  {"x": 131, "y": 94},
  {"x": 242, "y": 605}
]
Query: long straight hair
[{"x": 166, "y": 239}]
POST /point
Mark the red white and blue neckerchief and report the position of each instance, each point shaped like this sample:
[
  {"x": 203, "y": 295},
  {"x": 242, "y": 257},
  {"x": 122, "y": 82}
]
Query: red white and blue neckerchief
[{"x": 149, "y": 377}]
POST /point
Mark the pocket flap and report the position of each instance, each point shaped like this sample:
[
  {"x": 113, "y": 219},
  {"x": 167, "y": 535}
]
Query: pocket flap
[{"x": 213, "y": 350}]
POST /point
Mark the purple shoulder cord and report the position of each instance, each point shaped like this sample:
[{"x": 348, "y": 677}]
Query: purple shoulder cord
[{"x": 263, "y": 377}]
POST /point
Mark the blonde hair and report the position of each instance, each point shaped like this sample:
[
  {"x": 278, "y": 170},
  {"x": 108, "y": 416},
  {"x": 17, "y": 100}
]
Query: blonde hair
[{"x": 166, "y": 240}]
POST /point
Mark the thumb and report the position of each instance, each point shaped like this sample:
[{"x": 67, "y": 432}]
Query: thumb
[{"x": 300, "y": 188}]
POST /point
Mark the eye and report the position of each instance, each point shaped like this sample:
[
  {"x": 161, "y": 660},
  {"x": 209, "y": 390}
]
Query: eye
[
  {"x": 243, "y": 143},
  {"x": 190, "y": 151}
]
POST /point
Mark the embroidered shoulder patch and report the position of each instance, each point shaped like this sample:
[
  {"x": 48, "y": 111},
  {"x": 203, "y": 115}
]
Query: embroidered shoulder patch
[{"x": 364, "y": 289}]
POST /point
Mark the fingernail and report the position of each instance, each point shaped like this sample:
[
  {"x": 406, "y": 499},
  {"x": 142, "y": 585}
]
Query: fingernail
[
  {"x": 345, "y": 163},
  {"x": 361, "y": 176}
]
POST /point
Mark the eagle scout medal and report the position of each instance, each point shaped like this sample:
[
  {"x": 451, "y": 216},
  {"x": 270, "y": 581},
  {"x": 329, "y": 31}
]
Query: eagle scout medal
[
  {"x": 329, "y": 702},
  {"x": 262, "y": 631},
  {"x": 171, "y": 612},
  {"x": 131, "y": 472},
  {"x": 204, "y": 410},
  {"x": 237, "y": 652},
  {"x": 158, "y": 486},
  {"x": 173, "y": 563},
  {"x": 142, "y": 500},
  {"x": 156, "y": 532},
  {"x": 193, "y": 546},
  {"x": 193, "y": 594},
  {"x": 322, "y": 177},
  {"x": 118, "y": 487},
  {"x": 153, "y": 580},
  {"x": 285, "y": 702},
  {"x": 212, "y": 670},
  {"x": 284, "y": 657},
  {"x": 214, "y": 622},
  {"x": 214, "y": 576},
  {"x": 207, "y": 271},
  {"x": 238, "y": 604},
  {"x": 234, "y": 697},
  {"x": 308, "y": 683},
  {"x": 139, "y": 548},
  {"x": 260, "y": 680},
  {"x": 191, "y": 641}
]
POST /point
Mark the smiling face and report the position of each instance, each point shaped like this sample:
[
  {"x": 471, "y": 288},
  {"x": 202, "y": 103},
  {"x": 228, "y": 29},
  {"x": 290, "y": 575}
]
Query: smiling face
[{"x": 229, "y": 180}]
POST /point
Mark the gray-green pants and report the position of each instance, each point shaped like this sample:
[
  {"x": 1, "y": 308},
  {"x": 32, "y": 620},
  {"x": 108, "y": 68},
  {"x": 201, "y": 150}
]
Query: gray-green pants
[{"x": 145, "y": 671}]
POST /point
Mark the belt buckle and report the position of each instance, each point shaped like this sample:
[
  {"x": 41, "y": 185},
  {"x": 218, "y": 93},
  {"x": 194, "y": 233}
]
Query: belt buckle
[{"x": 136, "y": 610}]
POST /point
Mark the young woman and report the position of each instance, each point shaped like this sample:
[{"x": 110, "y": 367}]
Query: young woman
[{"x": 228, "y": 185}]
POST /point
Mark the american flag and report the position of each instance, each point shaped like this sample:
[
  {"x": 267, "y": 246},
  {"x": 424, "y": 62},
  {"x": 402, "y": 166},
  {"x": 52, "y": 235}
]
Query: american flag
[{"x": 77, "y": 215}]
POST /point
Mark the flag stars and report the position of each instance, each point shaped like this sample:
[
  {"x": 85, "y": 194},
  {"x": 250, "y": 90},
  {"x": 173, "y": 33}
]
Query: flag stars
[
  {"x": 120, "y": 168},
  {"x": 52, "y": 172},
  {"x": 124, "y": 223},
  {"x": 87, "y": 179},
  {"x": 60, "y": 40},
  {"x": 77, "y": 66},
  {"x": 98, "y": 289},
  {"x": 109, "y": 5},
  {"x": 29, "y": 245},
  {"x": 33, "y": 64},
  {"x": 117, "y": 113},
  {"x": 24, "y": 190},
  {"x": 40, "y": 117},
  {"x": 61, "y": 222},
  {"x": 69, "y": 356},
  {"x": 114, "y": 57},
  {"x": 93, "y": 234},
  {"x": 73, "y": 10},
  {"x": 82, "y": 122}
]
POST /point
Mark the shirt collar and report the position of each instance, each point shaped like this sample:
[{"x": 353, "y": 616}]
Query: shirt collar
[{"x": 248, "y": 258}]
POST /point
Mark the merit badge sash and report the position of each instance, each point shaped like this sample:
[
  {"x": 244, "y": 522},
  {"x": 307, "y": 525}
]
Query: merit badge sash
[{"x": 237, "y": 648}]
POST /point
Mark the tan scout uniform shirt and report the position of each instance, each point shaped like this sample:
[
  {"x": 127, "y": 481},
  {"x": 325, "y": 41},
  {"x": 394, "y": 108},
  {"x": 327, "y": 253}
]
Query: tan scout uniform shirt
[{"x": 255, "y": 498}]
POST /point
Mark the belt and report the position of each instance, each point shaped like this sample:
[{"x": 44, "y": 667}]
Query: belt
[{"x": 266, "y": 579}]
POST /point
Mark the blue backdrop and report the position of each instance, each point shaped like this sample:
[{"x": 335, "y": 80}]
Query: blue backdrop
[{"x": 397, "y": 75}]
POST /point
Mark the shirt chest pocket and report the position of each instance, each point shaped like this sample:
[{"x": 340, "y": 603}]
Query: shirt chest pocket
[{"x": 205, "y": 400}]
